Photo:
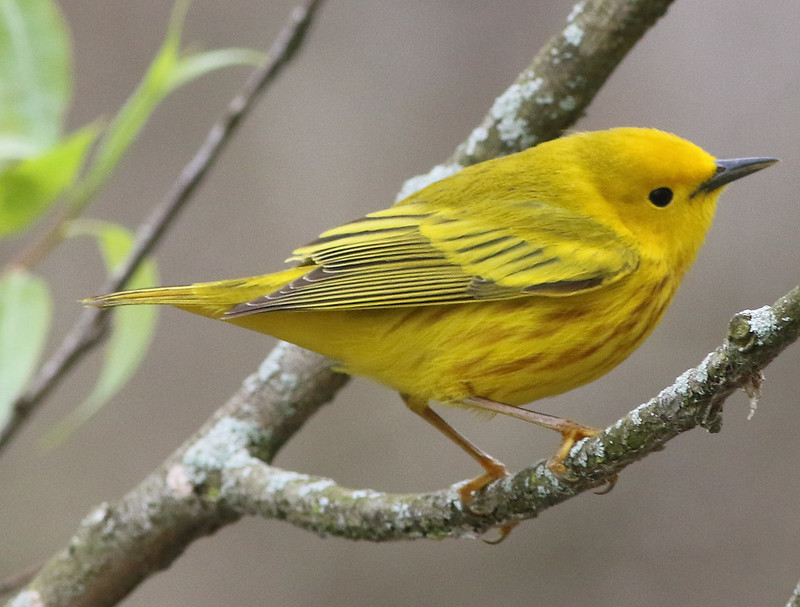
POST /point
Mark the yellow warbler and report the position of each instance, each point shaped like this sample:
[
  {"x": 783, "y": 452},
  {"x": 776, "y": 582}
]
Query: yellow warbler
[{"x": 512, "y": 280}]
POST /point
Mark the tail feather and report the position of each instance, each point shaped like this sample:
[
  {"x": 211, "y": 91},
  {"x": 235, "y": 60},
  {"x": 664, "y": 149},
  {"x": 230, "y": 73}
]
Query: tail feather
[
  {"x": 174, "y": 296},
  {"x": 207, "y": 298}
]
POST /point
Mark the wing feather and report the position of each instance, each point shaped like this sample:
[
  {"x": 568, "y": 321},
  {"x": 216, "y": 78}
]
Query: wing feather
[{"x": 409, "y": 255}]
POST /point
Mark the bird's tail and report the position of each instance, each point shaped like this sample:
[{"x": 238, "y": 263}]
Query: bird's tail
[
  {"x": 211, "y": 299},
  {"x": 173, "y": 296}
]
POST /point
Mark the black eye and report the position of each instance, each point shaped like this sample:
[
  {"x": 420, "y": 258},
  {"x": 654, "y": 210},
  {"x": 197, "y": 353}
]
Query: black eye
[{"x": 661, "y": 197}]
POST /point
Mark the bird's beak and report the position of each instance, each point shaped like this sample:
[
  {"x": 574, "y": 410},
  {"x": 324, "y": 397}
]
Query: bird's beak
[{"x": 732, "y": 169}]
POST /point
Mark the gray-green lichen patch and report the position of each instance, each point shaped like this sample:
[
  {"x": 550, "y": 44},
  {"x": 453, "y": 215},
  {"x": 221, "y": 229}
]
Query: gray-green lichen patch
[
  {"x": 251, "y": 383},
  {"x": 568, "y": 104},
  {"x": 595, "y": 449},
  {"x": 512, "y": 127},
  {"x": 178, "y": 481},
  {"x": 579, "y": 457},
  {"x": 573, "y": 34},
  {"x": 358, "y": 494},
  {"x": 271, "y": 365},
  {"x": 225, "y": 446},
  {"x": 476, "y": 137},
  {"x": 278, "y": 481},
  {"x": 437, "y": 173},
  {"x": 272, "y": 368},
  {"x": 587, "y": 453},
  {"x": 701, "y": 373},
  {"x": 314, "y": 487},
  {"x": 762, "y": 323},
  {"x": 96, "y": 515},
  {"x": 27, "y": 598},
  {"x": 576, "y": 11},
  {"x": 688, "y": 381},
  {"x": 544, "y": 476},
  {"x": 401, "y": 510}
]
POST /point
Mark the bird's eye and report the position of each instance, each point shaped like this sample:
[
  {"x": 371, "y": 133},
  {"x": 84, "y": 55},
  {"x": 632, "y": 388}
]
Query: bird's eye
[{"x": 661, "y": 197}]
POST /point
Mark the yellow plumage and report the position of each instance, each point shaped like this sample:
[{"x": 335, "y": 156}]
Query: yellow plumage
[{"x": 512, "y": 280}]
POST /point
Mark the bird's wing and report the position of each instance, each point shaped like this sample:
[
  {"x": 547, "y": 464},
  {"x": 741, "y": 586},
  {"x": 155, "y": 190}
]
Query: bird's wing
[{"x": 408, "y": 255}]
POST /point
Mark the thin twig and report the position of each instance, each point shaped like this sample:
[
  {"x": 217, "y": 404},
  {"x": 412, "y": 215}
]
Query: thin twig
[{"x": 91, "y": 325}]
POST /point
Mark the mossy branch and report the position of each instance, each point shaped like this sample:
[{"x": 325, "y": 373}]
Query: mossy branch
[
  {"x": 119, "y": 544},
  {"x": 247, "y": 485},
  {"x": 221, "y": 474}
]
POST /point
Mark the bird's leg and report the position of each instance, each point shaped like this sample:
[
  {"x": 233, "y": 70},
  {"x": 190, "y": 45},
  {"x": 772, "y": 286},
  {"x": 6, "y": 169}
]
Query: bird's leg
[
  {"x": 494, "y": 469},
  {"x": 571, "y": 432}
]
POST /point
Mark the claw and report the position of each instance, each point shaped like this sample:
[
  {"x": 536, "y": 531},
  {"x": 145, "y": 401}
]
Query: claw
[
  {"x": 610, "y": 483},
  {"x": 503, "y": 533}
]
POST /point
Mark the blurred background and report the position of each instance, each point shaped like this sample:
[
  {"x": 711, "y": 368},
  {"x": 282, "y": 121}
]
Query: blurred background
[{"x": 382, "y": 91}]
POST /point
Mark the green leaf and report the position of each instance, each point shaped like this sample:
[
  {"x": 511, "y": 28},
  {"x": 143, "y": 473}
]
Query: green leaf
[
  {"x": 167, "y": 72},
  {"x": 131, "y": 331},
  {"x": 35, "y": 72},
  {"x": 194, "y": 66},
  {"x": 25, "y": 312},
  {"x": 29, "y": 187}
]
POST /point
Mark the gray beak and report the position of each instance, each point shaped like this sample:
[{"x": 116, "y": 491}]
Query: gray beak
[{"x": 731, "y": 170}]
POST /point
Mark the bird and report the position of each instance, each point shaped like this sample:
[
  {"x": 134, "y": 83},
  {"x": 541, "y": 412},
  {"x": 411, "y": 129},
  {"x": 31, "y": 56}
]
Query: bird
[{"x": 512, "y": 280}]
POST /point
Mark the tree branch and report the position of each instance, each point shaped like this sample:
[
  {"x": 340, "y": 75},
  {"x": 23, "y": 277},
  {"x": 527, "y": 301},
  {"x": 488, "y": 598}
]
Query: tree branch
[
  {"x": 92, "y": 324},
  {"x": 220, "y": 474},
  {"x": 119, "y": 544},
  {"x": 249, "y": 486}
]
